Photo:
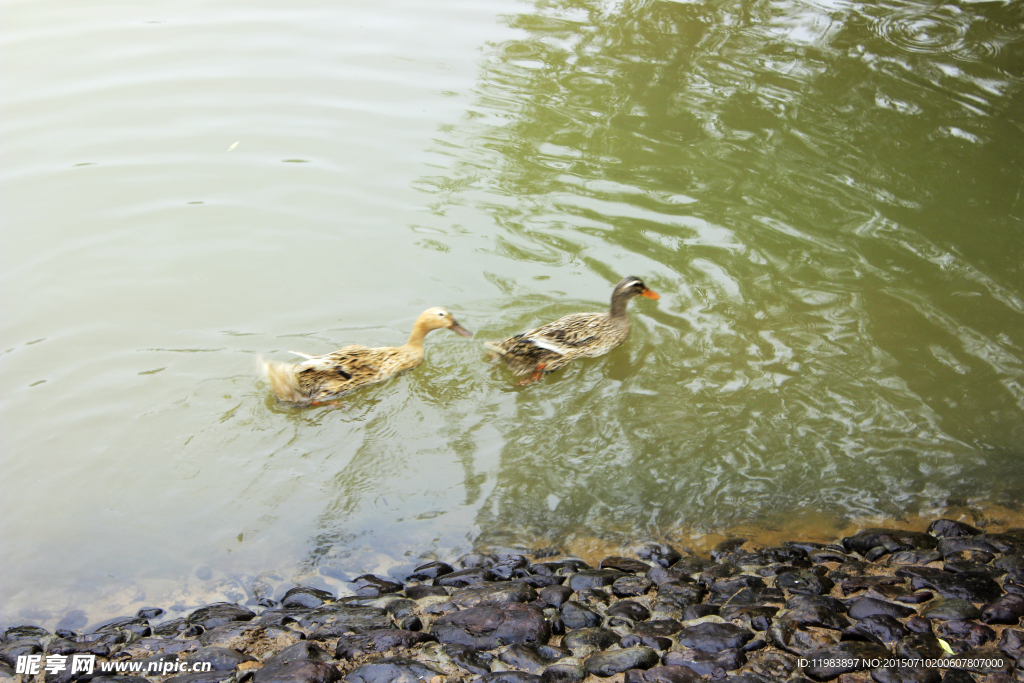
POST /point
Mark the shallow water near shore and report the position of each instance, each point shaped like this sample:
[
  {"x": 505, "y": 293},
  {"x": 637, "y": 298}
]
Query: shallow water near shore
[{"x": 827, "y": 195}]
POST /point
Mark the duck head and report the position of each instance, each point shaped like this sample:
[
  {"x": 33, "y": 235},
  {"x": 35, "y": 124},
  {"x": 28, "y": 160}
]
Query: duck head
[
  {"x": 438, "y": 318},
  {"x": 633, "y": 286}
]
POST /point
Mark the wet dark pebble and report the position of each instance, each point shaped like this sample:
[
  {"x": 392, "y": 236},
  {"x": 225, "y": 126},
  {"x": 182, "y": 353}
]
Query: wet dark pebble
[
  {"x": 509, "y": 677},
  {"x": 379, "y": 640},
  {"x": 945, "y": 610},
  {"x": 390, "y": 670},
  {"x": 794, "y": 613},
  {"x": 624, "y": 564},
  {"x": 421, "y": 591},
  {"x": 494, "y": 593},
  {"x": 369, "y": 585},
  {"x": 659, "y": 553},
  {"x": 532, "y": 659},
  {"x": 430, "y": 571},
  {"x": 706, "y": 663},
  {"x": 586, "y": 640},
  {"x": 611, "y": 662},
  {"x": 576, "y": 616},
  {"x": 1006, "y": 609},
  {"x": 962, "y": 586},
  {"x": 593, "y": 578},
  {"x": 485, "y": 628},
  {"x": 219, "y": 658},
  {"x": 867, "y": 607},
  {"x": 219, "y": 613},
  {"x": 218, "y": 676},
  {"x": 466, "y": 577},
  {"x": 305, "y": 597},
  {"x": 711, "y": 637},
  {"x": 300, "y": 650}
]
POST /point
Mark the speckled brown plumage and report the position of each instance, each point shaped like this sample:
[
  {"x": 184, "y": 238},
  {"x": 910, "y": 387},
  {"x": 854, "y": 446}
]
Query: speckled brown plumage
[
  {"x": 322, "y": 378},
  {"x": 579, "y": 335}
]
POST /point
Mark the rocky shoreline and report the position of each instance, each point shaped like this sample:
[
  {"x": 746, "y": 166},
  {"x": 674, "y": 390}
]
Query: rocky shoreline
[{"x": 882, "y": 605}]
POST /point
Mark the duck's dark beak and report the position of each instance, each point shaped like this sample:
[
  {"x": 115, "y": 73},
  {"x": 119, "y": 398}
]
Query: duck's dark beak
[
  {"x": 459, "y": 329},
  {"x": 650, "y": 294}
]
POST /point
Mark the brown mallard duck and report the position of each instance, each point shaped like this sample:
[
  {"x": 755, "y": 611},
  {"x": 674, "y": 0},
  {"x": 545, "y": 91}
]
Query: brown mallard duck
[
  {"x": 580, "y": 335},
  {"x": 322, "y": 378}
]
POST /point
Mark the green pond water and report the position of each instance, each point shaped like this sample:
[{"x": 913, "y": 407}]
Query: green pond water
[{"x": 826, "y": 194}]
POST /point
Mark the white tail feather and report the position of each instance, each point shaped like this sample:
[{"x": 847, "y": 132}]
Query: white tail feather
[{"x": 282, "y": 380}]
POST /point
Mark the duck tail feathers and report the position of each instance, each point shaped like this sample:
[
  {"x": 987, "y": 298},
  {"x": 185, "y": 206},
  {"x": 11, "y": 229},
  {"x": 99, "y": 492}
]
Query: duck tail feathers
[
  {"x": 494, "y": 346},
  {"x": 282, "y": 380}
]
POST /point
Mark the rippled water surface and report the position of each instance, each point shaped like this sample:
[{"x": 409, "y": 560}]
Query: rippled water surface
[{"x": 828, "y": 196}]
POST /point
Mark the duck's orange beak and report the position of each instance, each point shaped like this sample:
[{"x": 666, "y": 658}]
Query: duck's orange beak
[
  {"x": 650, "y": 294},
  {"x": 459, "y": 329}
]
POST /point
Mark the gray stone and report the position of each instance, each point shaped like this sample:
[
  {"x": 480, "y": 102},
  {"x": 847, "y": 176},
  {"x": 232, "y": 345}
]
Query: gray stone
[
  {"x": 390, "y": 670},
  {"x": 495, "y": 593},
  {"x": 944, "y": 610},
  {"x": 219, "y": 613},
  {"x": 605, "y": 664},
  {"x": 488, "y": 627}
]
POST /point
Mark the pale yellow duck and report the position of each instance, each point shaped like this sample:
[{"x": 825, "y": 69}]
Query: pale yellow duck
[
  {"x": 580, "y": 335},
  {"x": 322, "y": 378}
]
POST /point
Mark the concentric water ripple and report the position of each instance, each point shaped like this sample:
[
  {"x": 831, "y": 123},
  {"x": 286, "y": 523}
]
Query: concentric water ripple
[{"x": 935, "y": 30}]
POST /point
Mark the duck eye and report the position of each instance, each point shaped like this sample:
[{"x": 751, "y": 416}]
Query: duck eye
[{"x": 440, "y": 313}]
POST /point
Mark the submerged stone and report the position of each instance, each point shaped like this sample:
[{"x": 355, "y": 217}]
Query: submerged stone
[
  {"x": 219, "y": 613},
  {"x": 659, "y": 553},
  {"x": 306, "y": 597},
  {"x": 372, "y": 586},
  {"x": 624, "y": 564},
  {"x": 430, "y": 571},
  {"x": 891, "y": 540}
]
